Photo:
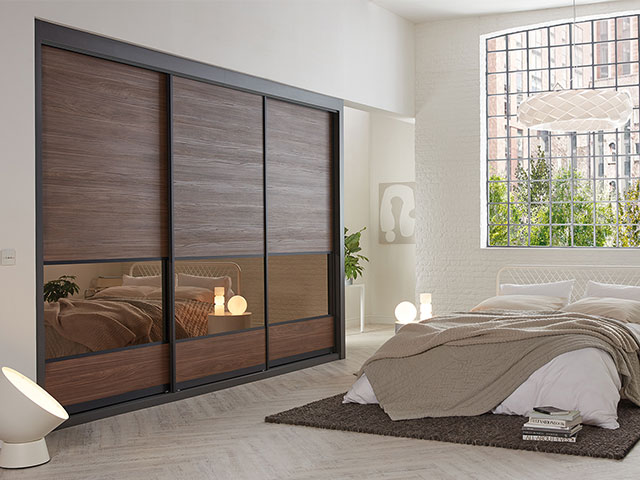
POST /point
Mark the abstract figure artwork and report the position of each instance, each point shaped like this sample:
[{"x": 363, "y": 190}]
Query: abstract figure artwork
[{"x": 397, "y": 213}]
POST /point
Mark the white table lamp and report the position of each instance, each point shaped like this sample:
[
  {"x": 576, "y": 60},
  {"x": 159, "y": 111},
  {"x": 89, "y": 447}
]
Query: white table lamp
[
  {"x": 426, "y": 310},
  {"x": 27, "y": 414}
]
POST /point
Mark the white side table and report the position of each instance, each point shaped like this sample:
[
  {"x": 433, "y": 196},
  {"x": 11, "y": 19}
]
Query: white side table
[{"x": 361, "y": 287}]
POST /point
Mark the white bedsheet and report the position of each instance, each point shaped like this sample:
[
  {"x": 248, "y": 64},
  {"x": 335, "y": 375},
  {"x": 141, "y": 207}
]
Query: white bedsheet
[{"x": 584, "y": 380}]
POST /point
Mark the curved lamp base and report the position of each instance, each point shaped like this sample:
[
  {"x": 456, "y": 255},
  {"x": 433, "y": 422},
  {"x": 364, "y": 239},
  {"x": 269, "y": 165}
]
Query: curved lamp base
[{"x": 23, "y": 455}]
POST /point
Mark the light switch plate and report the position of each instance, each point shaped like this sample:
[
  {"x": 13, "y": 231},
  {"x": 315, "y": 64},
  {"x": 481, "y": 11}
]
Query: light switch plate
[{"x": 8, "y": 256}]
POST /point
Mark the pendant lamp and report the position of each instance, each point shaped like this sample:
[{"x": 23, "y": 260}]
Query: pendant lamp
[{"x": 583, "y": 110}]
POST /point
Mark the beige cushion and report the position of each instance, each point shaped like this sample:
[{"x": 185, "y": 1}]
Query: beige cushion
[
  {"x": 521, "y": 302},
  {"x": 617, "y": 308}
]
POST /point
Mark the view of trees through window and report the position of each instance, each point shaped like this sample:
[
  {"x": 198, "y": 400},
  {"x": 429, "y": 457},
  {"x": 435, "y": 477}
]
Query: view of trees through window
[{"x": 553, "y": 189}]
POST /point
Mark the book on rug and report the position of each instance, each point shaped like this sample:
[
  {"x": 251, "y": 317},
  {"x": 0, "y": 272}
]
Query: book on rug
[{"x": 558, "y": 426}]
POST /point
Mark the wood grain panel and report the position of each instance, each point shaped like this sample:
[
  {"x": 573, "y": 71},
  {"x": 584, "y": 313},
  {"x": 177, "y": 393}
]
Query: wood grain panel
[
  {"x": 299, "y": 180},
  {"x": 218, "y": 170},
  {"x": 104, "y": 158},
  {"x": 83, "y": 379},
  {"x": 221, "y": 354},
  {"x": 298, "y": 287},
  {"x": 295, "y": 338}
]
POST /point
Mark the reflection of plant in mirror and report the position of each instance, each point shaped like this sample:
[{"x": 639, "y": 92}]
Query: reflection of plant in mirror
[
  {"x": 352, "y": 267},
  {"x": 60, "y": 288}
]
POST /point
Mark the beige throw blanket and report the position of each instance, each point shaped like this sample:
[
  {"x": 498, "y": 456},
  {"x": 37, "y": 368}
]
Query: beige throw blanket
[{"x": 465, "y": 364}]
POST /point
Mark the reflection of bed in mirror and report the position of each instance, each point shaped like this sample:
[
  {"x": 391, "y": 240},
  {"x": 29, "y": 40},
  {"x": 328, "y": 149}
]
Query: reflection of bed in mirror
[{"x": 131, "y": 312}]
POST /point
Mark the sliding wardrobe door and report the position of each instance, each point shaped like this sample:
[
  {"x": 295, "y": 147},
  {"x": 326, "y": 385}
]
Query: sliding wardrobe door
[
  {"x": 300, "y": 235},
  {"x": 104, "y": 198},
  {"x": 218, "y": 172}
]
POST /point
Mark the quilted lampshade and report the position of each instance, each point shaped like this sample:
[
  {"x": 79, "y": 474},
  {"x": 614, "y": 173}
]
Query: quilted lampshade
[{"x": 576, "y": 110}]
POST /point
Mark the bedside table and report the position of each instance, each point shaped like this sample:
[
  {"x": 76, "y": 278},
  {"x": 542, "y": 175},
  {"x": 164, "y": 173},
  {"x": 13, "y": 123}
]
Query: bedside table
[{"x": 228, "y": 322}]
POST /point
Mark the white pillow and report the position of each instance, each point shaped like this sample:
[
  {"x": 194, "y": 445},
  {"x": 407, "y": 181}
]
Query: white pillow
[
  {"x": 595, "y": 289},
  {"x": 154, "y": 281},
  {"x": 554, "y": 289},
  {"x": 521, "y": 302},
  {"x": 617, "y": 308}
]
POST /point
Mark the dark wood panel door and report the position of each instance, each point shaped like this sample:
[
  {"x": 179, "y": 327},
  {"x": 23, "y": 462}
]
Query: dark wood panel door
[
  {"x": 299, "y": 180},
  {"x": 104, "y": 159},
  {"x": 297, "y": 338},
  {"x": 220, "y": 354},
  {"x": 218, "y": 170},
  {"x": 87, "y": 378}
]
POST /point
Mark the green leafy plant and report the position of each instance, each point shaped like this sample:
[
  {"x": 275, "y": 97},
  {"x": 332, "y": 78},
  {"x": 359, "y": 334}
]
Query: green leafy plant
[
  {"x": 60, "y": 288},
  {"x": 352, "y": 266}
]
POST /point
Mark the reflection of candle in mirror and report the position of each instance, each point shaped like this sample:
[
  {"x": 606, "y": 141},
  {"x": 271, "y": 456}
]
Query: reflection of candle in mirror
[{"x": 218, "y": 301}]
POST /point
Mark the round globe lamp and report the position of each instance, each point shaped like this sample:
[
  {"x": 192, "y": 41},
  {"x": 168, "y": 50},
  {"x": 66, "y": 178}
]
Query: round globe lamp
[
  {"x": 237, "y": 305},
  {"x": 405, "y": 312},
  {"x": 27, "y": 414}
]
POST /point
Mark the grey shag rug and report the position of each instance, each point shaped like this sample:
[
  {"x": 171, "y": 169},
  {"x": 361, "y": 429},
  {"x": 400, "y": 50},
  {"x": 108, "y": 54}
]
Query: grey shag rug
[{"x": 488, "y": 429}]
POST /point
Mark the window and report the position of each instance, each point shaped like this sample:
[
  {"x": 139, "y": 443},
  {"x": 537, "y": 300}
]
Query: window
[{"x": 550, "y": 189}]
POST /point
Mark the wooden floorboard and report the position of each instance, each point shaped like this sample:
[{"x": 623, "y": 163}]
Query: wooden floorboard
[{"x": 222, "y": 435}]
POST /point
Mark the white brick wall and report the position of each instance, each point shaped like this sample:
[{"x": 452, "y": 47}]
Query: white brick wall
[{"x": 450, "y": 261}]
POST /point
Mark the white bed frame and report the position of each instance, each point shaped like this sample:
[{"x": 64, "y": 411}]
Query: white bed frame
[
  {"x": 200, "y": 269},
  {"x": 527, "y": 274}
]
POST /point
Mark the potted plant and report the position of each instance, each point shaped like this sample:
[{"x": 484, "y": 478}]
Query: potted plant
[
  {"x": 60, "y": 288},
  {"x": 352, "y": 266}
]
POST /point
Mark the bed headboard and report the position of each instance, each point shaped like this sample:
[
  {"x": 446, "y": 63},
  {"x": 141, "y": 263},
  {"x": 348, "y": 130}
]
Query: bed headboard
[
  {"x": 201, "y": 269},
  {"x": 526, "y": 274}
]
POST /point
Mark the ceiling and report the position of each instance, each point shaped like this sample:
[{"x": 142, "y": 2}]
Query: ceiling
[{"x": 419, "y": 11}]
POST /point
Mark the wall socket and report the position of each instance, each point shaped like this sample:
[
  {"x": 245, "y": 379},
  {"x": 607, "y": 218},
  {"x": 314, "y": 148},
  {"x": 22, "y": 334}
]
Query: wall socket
[{"x": 8, "y": 256}]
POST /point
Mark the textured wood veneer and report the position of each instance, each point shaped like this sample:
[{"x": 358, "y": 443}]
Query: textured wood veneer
[
  {"x": 289, "y": 339},
  {"x": 104, "y": 159},
  {"x": 92, "y": 377},
  {"x": 218, "y": 170},
  {"x": 299, "y": 191}
]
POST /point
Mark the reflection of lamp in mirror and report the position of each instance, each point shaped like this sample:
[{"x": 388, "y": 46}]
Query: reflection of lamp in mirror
[
  {"x": 426, "y": 311},
  {"x": 237, "y": 305},
  {"x": 405, "y": 312},
  {"x": 218, "y": 301},
  {"x": 27, "y": 414}
]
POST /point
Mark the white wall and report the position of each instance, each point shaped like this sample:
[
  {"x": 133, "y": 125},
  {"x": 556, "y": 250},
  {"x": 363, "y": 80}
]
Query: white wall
[
  {"x": 378, "y": 149},
  {"x": 451, "y": 264},
  {"x": 349, "y": 49}
]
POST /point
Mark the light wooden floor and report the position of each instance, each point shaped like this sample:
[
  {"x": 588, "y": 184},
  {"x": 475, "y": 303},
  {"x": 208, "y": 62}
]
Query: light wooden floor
[{"x": 222, "y": 435}]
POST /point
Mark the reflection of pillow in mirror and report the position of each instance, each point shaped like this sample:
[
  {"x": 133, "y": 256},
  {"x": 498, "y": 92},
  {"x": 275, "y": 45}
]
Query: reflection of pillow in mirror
[
  {"x": 617, "y": 308},
  {"x": 185, "y": 280},
  {"x": 521, "y": 302},
  {"x": 154, "y": 281},
  {"x": 185, "y": 293},
  {"x": 554, "y": 289},
  {"x": 129, "y": 291},
  {"x": 595, "y": 289}
]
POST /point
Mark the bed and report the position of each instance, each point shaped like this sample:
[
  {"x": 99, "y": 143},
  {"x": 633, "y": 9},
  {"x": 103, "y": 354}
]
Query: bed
[
  {"x": 132, "y": 313},
  {"x": 575, "y": 347}
]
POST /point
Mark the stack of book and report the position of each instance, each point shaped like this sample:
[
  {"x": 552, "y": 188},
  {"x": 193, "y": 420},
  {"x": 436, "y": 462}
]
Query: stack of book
[{"x": 550, "y": 424}]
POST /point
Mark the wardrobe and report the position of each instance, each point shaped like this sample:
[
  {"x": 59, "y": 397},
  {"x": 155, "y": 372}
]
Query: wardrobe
[{"x": 144, "y": 159}]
